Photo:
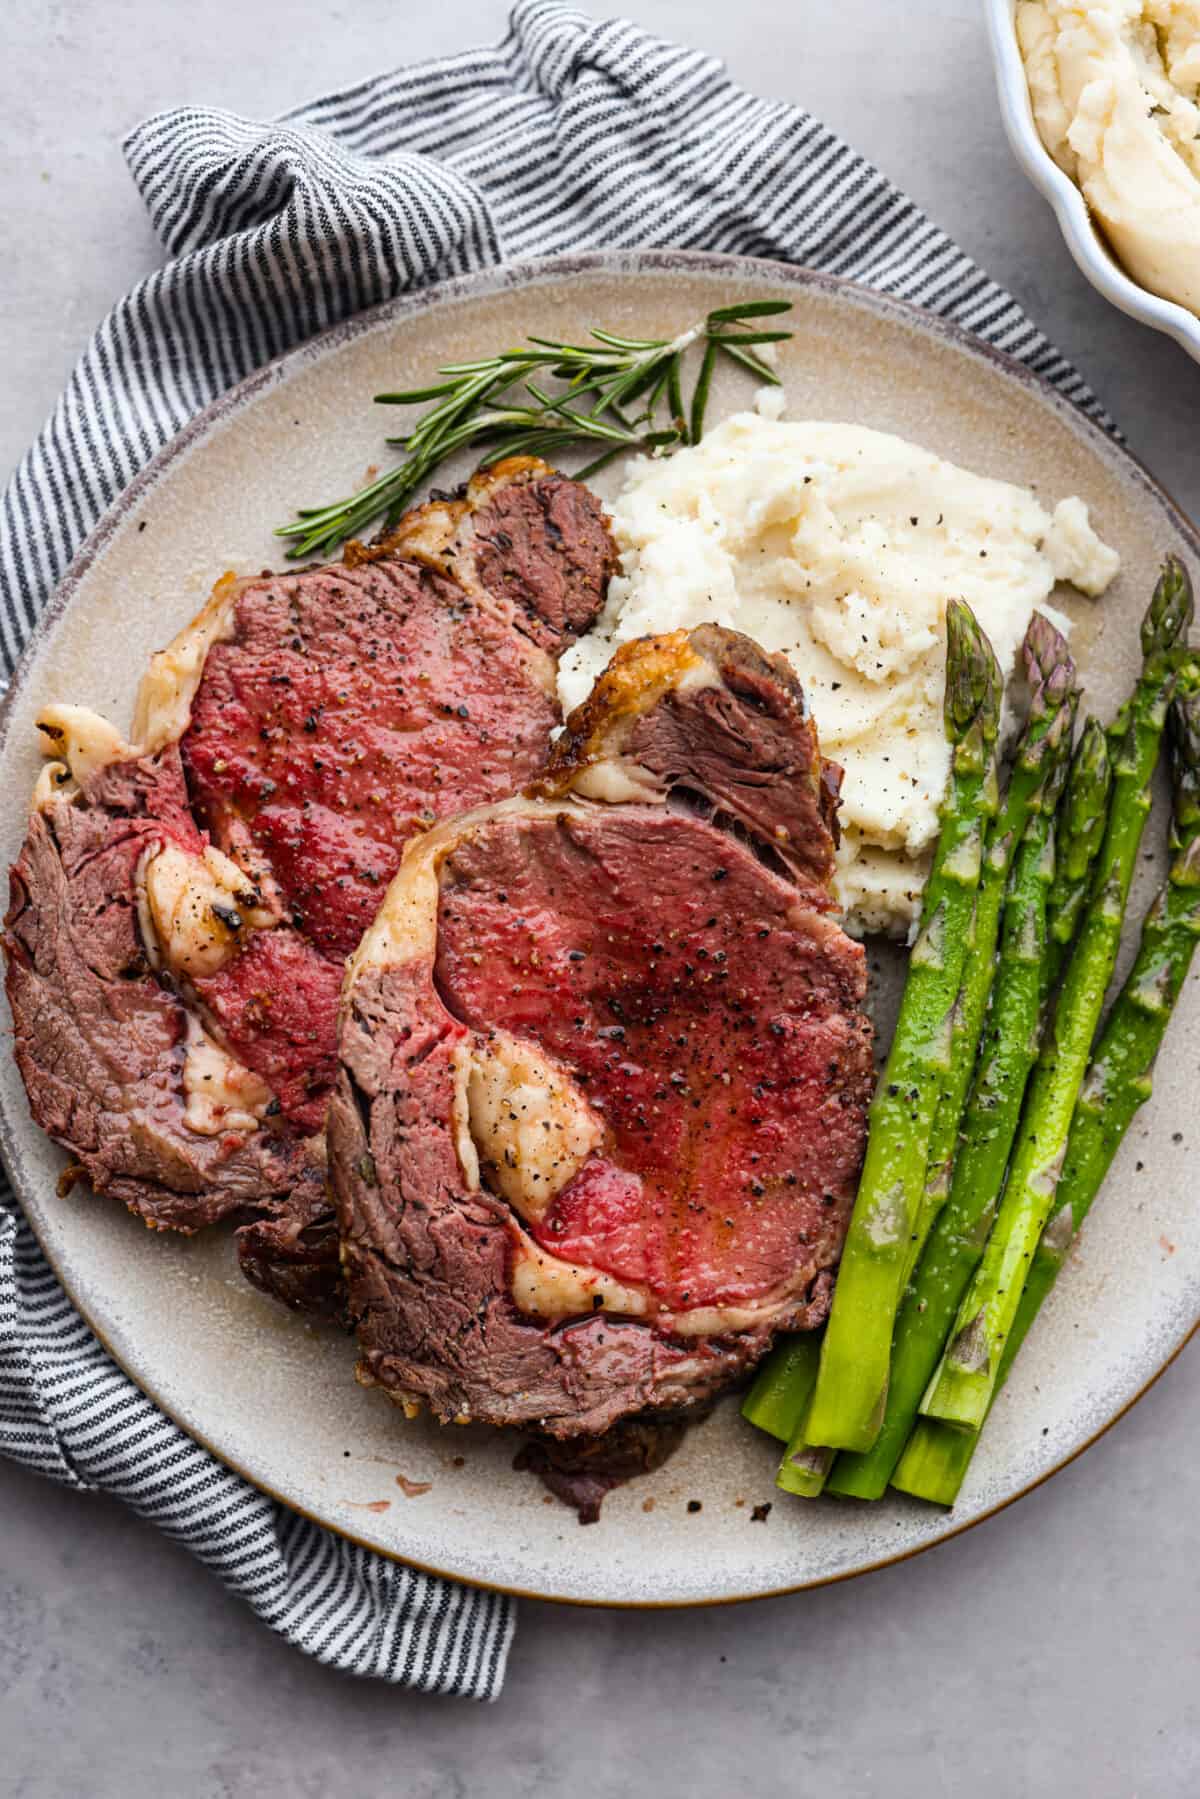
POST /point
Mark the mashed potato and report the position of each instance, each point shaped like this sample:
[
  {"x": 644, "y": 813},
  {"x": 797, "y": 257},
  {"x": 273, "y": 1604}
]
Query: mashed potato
[
  {"x": 840, "y": 546},
  {"x": 1115, "y": 86}
]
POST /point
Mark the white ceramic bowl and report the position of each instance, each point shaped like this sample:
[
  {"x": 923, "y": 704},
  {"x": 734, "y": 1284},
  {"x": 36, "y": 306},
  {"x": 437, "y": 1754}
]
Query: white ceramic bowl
[{"x": 1084, "y": 241}]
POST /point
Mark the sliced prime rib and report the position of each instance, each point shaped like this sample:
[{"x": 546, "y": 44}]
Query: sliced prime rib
[
  {"x": 306, "y": 726},
  {"x": 604, "y": 1064},
  {"x": 99, "y": 1038}
]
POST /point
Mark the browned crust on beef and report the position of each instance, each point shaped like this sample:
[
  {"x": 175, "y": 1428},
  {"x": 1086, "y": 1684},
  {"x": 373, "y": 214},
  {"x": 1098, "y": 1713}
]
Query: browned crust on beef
[
  {"x": 520, "y": 533},
  {"x": 545, "y": 544},
  {"x": 746, "y": 741}
]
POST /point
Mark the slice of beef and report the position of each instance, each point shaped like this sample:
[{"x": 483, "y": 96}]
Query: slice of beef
[
  {"x": 604, "y": 1063},
  {"x": 99, "y": 1038},
  {"x": 743, "y": 745},
  {"x": 326, "y": 717}
]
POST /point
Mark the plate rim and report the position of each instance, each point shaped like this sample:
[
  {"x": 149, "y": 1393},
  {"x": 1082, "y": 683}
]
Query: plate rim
[{"x": 464, "y": 288}]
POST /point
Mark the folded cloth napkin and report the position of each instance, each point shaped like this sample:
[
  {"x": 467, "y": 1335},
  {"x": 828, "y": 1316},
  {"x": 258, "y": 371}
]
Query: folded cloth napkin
[{"x": 569, "y": 136}]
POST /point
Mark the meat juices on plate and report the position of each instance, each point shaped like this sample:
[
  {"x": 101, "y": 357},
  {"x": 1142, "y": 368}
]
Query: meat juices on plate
[
  {"x": 323, "y": 718},
  {"x": 605, "y": 1065}
]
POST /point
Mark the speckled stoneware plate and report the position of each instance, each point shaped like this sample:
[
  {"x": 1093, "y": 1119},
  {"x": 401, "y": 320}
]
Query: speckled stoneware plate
[{"x": 275, "y": 1398}]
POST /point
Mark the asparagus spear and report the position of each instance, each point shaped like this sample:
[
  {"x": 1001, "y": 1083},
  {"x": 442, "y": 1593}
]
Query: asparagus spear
[
  {"x": 1051, "y": 676},
  {"x": 1078, "y": 831},
  {"x": 847, "y": 1406},
  {"x": 1117, "y": 1083},
  {"x": 1042, "y": 750},
  {"x": 783, "y": 1385},
  {"x": 935, "y": 1460},
  {"x": 1120, "y": 1076},
  {"x": 805, "y": 1466},
  {"x": 989, "y": 1125},
  {"x": 962, "y": 1387}
]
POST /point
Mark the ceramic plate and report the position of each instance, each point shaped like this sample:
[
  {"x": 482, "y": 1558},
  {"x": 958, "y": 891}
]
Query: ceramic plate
[{"x": 276, "y": 1398}]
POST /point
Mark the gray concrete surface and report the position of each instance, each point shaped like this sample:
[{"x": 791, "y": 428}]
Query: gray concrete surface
[{"x": 1054, "y": 1651}]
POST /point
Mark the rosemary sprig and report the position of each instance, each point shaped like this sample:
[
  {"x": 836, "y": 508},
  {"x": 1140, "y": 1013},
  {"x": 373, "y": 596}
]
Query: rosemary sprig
[{"x": 616, "y": 393}]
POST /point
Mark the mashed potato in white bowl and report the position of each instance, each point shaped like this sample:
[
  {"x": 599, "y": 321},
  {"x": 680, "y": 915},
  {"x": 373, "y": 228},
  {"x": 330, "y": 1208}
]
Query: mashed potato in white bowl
[
  {"x": 840, "y": 546},
  {"x": 1115, "y": 89}
]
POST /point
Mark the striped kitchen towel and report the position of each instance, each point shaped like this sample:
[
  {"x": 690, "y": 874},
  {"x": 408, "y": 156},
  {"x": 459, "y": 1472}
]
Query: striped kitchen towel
[{"x": 569, "y": 136}]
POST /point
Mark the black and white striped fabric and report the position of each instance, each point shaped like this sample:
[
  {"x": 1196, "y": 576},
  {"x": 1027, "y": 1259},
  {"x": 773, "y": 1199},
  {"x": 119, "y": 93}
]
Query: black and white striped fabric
[{"x": 570, "y": 135}]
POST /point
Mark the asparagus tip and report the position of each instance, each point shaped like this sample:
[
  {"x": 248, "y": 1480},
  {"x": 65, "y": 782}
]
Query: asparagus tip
[
  {"x": 1183, "y": 736},
  {"x": 974, "y": 687},
  {"x": 1170, "y": 610},
  {"x": 1049, "y": 668},
  {"x": 1092, "y": 747}
]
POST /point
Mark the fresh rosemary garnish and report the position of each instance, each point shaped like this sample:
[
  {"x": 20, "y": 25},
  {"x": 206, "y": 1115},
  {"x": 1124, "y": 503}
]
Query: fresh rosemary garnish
[{"x": 616, "y": 393}]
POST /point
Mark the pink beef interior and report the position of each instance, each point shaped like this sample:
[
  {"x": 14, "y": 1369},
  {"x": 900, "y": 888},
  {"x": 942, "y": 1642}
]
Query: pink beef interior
[
  {"x": 711, "y": 1016},
  {"x": 354, "y": 707}
]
